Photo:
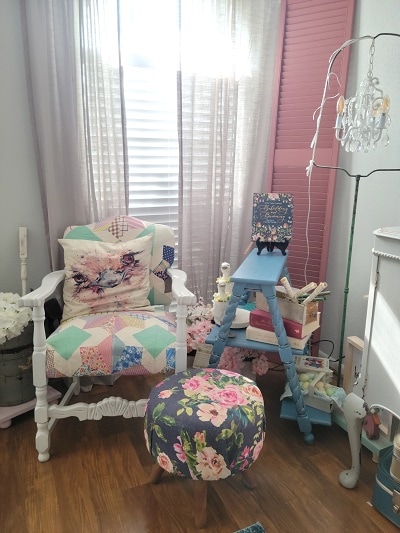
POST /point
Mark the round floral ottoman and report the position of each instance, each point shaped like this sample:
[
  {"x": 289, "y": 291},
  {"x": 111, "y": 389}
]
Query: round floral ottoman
[{"x": 205, "y": 424}]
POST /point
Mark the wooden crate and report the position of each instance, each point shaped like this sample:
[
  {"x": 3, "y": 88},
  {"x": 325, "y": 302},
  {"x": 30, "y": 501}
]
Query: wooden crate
[{"x": 303, "y": 314}]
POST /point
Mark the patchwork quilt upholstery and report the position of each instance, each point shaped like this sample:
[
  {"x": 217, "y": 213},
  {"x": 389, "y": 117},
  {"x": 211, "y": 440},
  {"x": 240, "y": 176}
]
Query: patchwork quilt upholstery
[
  {"x": 126, "y": 339},
  {"x": 136, "y": 342}
]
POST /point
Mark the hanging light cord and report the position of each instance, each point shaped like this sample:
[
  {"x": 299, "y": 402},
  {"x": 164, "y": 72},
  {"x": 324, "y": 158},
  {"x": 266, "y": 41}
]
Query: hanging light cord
[
  {"x": 314, "y": 141},
  {"x": 313, "y": 164}
]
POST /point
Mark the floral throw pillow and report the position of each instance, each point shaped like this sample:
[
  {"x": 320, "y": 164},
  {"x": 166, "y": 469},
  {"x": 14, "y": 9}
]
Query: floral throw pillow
[{"x": 103, "y": 277}]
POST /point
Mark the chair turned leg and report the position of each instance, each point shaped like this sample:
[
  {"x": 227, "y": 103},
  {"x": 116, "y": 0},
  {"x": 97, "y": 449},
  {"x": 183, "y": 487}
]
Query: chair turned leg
[
  {"x": 156, "y": 473},
  {"x": 249, "y": 479},
  {"x": 200, "y": 502}
]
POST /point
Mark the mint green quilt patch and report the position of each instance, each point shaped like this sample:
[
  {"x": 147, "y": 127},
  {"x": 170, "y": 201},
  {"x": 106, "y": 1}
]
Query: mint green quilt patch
[
  {"x": 150, "y": 296},
  {"x": 118, "y": 348},
  {"x": 155, "y": 339},
  {"x": 67, "y": 341},
  {"x": 82, "y": 232},
  {"x": 150, "y": 230}
]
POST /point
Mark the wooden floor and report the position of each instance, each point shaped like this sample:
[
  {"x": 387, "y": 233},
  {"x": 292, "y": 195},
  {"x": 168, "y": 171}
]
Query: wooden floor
[{"x": 97, "y": 479}]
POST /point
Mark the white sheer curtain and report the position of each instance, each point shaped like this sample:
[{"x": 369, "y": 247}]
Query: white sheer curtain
[
  {"x": 101, "y": 101},
  {"x": 225, "y": 78},
  {"x": 228, "y": 50},
  {"x": 50, "y": 72},
  {"x": 76, "y": 107}
]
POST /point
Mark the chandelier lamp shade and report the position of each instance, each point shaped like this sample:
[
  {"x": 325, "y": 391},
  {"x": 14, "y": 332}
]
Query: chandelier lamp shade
[{"x": 363, "y": 120}]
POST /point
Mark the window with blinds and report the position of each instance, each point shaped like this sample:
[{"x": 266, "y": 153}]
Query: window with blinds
[
  {"x": 148, "y": 55},
  {"x": 152, "y": 142}
]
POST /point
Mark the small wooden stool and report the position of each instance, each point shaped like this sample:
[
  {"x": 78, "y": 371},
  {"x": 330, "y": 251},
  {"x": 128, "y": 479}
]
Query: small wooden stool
[{"x": 205, "y": 425}]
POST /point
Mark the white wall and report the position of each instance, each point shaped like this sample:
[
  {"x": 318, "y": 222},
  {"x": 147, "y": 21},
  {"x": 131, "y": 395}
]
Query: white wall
[
  {"x": 379, "y": 195},
  {"x": 19, "y": 187}
]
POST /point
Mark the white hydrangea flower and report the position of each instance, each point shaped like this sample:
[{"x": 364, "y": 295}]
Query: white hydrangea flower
[{"x": 13, "y": 319}]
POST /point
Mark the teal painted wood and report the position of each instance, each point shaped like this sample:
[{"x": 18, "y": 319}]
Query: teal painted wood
[
  {"x": 265, "y": 269},
  {"x": 289, "y": 412},
  {"x": 261, "y": 273},
  {"x": 239, "y": 341},
  {"x": 386, "y": 490}
]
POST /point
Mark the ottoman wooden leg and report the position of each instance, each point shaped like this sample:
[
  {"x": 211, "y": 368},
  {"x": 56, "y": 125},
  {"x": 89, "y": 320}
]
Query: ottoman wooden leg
[
  {"x": 249, "y": 479},
  {"x": 200, "y": 502},
  {"x": 156, "y": 473}
]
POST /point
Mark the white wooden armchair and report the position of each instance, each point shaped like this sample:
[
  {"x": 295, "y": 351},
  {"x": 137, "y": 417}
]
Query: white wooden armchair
[{"x": 118, "y": 285}]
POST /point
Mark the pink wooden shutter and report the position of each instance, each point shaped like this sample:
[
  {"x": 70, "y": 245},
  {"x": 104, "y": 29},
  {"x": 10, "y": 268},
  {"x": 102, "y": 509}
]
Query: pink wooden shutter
[{"x": 311, "y": 31}]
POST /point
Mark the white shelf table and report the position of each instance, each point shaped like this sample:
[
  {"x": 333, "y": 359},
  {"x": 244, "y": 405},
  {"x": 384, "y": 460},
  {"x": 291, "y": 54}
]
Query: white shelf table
[{"x": 8, "y": 413}]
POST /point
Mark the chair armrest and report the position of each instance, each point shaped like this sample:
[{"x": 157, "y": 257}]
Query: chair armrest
[
  {"x": 179, "y": 290},
  {"x": 49, "y": 284}
]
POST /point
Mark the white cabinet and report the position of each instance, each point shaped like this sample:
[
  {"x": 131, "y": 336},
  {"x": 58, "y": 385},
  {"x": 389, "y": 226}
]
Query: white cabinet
[
  {"x": 380, "y": 371},
  {"x": 379, "y": 383}
]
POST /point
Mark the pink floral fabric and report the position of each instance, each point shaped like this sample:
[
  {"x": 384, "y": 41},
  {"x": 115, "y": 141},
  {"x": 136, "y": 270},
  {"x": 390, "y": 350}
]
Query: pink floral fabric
[{"x": 205, "y": 424}]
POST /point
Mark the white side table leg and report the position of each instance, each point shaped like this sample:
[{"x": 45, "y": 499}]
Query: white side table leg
[{"x": 354, "y": 412}]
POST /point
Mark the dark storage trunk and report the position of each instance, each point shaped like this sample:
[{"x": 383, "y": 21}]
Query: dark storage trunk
[{"x": 16, "y": 379}]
